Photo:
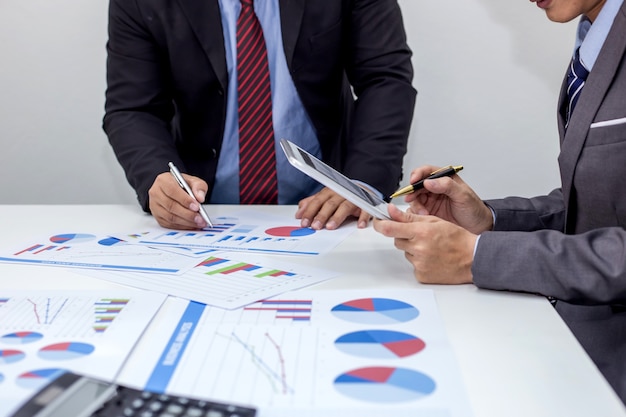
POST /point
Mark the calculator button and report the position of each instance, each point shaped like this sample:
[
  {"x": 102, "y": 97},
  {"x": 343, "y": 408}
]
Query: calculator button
[
  {"x": 155, "y": 406},
  {"x": 182, "y": 400},
  {"x": 137, "y": 403},
  {"x": 175, "y": 409},
  {"x": 194, "y": 412}
]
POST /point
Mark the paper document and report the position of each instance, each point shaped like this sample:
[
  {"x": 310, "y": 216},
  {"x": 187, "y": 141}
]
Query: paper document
[
  {"x": 226, "y": 279},
  {"x": 247, "y": 231},
  {"x": 88, "y": 250},
  {"x": 377, "y": 352},
  {"x": 44, "y": 333}
]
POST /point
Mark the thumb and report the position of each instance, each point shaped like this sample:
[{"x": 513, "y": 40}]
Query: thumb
[
  {"x": 400, "y": 216},
  {"x": 198, "y": 187}
]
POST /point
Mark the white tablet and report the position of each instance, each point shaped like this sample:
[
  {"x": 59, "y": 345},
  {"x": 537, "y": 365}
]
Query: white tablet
[{"x": 334, "y": 180}]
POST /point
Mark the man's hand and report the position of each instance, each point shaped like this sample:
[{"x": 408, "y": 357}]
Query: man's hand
[
  {"x": 329, "y": 210},
  {"x": 440, "y": 252},
  {"x": 451, "y": 199},
  {"x": 172, "y": 207}
]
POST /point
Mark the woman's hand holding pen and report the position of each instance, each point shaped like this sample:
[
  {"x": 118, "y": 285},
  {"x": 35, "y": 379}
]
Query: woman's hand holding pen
[{"x": 451, "y": 199}]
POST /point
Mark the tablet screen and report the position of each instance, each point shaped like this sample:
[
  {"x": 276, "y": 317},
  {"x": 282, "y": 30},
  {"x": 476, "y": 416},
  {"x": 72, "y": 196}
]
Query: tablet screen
[
  {"x": 336, "y": 181},
  {"x": 335, "y": 176}
]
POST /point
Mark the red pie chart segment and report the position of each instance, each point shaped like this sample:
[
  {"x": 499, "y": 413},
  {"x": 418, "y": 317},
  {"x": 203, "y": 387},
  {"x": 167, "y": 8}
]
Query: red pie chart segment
[{"x": 290, "y": 231}]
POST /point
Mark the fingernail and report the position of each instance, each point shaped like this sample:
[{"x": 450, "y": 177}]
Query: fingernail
[
  {"x": 362, "y": 225},
  {"x": 201, "y": 195},
  {"x": 305, "y": 222},
  {"x": 317, "y": 225},
  {"x": 331, "y": 225},
  {"x": 194, "y": 206}
]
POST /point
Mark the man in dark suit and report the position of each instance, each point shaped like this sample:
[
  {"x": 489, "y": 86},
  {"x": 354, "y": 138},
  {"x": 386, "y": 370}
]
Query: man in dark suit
[
  {"x": 341, "y": 78},
  {"x": 569, "y": 245}
]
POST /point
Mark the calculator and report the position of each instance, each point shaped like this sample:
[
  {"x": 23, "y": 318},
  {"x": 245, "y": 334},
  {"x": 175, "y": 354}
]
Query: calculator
[{"x": 73, "y": 395}]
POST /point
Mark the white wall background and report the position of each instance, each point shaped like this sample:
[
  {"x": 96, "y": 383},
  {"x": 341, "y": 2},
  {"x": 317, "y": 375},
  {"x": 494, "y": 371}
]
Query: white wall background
[{"x": 487, "y": 75}]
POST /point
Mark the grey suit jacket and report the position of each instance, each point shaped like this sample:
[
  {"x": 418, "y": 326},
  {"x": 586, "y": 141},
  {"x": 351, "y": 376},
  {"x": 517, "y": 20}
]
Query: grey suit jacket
[{"x": 576, "y": 248}]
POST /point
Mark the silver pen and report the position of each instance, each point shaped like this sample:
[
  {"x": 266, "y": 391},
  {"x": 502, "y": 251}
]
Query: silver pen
[{"x": 183, "y": 184}]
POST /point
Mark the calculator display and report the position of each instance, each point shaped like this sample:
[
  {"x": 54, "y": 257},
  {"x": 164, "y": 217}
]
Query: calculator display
[{"x": 87, "y": 395}]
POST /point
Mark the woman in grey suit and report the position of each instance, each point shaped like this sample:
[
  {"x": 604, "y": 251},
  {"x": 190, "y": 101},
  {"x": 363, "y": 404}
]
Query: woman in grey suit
[{"x": 569, "y": 245}]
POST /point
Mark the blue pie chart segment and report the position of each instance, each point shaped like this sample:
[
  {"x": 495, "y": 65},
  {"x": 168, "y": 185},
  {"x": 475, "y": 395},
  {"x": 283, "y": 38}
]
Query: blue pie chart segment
[
  {"x": 20, "y": 338},
  {"x": 38, "y": 378},
  {"x": 289, "y": 231},
  {"x": 110, "y": 241},
  {"x": 11, "y": 356},
  {"x": 375, "y": 311},
  {"x": 65, "y": 351},
  {"x": 72, "y": 238},
  {"x": 379, "y": 344},
  {"x": 384, "y": 384}
]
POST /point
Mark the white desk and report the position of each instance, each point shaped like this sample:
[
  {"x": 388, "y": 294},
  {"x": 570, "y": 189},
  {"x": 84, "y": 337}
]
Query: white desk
[{"x": 516, "y": 356}]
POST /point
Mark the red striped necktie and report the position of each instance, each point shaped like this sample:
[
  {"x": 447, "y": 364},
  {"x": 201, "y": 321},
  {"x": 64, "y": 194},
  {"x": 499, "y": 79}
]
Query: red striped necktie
[{"x": 257, "y": 156}]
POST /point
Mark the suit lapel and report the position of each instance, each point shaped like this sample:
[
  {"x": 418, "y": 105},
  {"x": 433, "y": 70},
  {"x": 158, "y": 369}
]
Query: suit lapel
[
  {"x": 291, "y": 12},
  {"x": 596, "y": 86},
  {"x": 206, "y": 21}
]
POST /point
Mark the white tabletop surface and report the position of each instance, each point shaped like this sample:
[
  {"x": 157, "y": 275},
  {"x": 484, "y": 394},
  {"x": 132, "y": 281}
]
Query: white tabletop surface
[{"x": 515, "y": 354}]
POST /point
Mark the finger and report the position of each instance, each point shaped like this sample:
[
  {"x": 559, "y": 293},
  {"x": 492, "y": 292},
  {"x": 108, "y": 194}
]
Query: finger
[
  {"x": 332, "y": 213},
  {"x": 341, "y": 212},
  {"x": 302, "y": 205},
  {"x": 364, "y": 219},
  {"x": 177, "y": 216},
  {"x": 417, "y": 203},
  {"x": 198, "y": 186},
  {"x": 422, "y": 172},
  {"x": 451, "y": 186},
  {"x": 400, "y": 216},
  {"x": 394, "y": 229},
  {"x": 166, "y": 214},
  {"x": 172, "y": 207},
  {"x": 311, "y": 206}
]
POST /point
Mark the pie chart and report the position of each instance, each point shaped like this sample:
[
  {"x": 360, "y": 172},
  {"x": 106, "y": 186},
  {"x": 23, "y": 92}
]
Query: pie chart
[
  {"x": 71, "y": 238},
  {"x": 379, "y": 344},
  {"x": 11, "y": 356},
  {"x": 20, "y": 338},
  {"x": 110, "y": 241},
  {"x": 375, "y": 311},
  {"x": 290, "y": 231},
  {"x": 384, "y": 384},
  {"x": 65, "y": 351},
  {"x": 38, "y": 378}
]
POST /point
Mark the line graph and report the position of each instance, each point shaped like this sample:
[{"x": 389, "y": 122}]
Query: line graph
[
  {"x": 275, "y": 376},
  {"x": 48, "y": 315}
]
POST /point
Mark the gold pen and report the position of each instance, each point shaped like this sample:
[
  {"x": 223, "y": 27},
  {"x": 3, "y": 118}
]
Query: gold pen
[{"x": 442, "y": 172}]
